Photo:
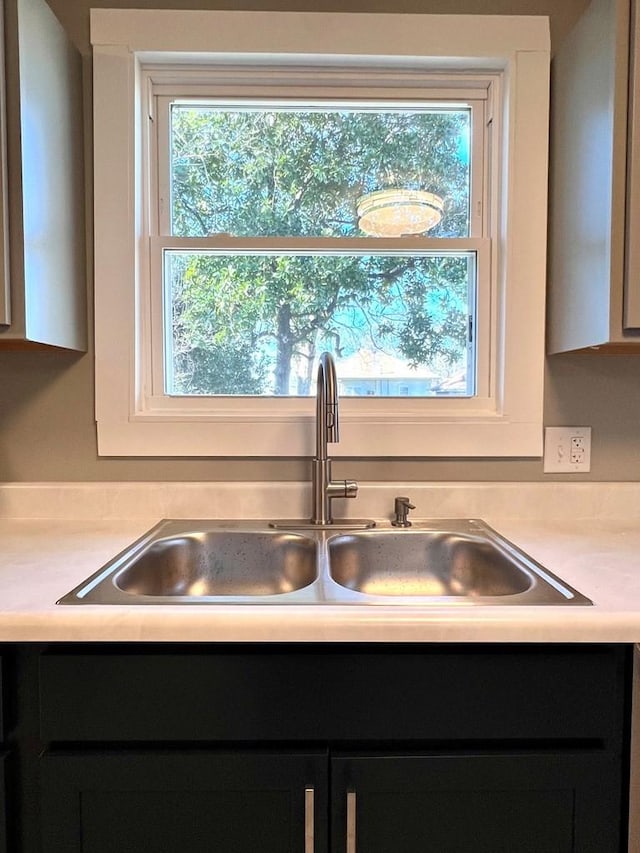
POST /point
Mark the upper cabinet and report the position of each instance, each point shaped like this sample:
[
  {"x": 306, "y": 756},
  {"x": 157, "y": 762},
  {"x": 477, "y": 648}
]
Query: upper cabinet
[
  {"x": 5, "y": 296},
  {"x": 44, "y": 303},
  {"x": 594, "y": 248},
  {"x": 632, "y": 291}
]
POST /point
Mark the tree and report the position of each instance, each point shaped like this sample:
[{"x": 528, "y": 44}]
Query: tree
[{"x": 248, "y": 318}]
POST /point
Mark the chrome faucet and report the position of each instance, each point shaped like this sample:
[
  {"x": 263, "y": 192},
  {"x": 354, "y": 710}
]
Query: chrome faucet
[{"x": 324, "y": 489}]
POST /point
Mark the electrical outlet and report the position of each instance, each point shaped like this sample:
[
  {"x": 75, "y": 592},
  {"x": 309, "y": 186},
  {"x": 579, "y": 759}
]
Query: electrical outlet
[
  {"x": 577, "y": 450},
  {"x": 567, "y": 449}
]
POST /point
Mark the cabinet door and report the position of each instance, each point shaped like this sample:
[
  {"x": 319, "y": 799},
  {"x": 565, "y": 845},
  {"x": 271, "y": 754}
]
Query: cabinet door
[
  {"x": 481, "y": 803},
  {"x": 184, "y": 802},
  {"x": 631, "y": 319},
  {"x": 5, "y": 299},
  {"x": 3, "y": 806},
  {"x": 2, "y": 732}
]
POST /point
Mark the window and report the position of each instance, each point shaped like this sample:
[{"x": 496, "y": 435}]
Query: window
[
  {"x": 257, "y": 204},
  {"x": 328, "y": 180}
]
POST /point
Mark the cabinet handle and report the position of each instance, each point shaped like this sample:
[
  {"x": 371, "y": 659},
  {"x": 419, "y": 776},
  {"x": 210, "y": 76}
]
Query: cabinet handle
[
  {"x": 309, "y": 844},
  {"x": 351, "y": 822}
]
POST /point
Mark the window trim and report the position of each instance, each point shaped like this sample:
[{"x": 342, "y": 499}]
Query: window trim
[{"x": 128, "y": 422}]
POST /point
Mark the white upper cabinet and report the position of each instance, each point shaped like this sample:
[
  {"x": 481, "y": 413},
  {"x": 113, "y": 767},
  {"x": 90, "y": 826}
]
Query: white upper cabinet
[
  {"x": 631, "y": 316},
  {"x": 594, "y": 256},
  {"x": 5, "y": 296},
  {"x": 45, "y": 301}
]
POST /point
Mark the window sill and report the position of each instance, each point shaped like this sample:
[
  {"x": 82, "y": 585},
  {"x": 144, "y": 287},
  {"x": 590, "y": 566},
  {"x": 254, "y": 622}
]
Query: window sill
[{"x": 490, "y": 437}]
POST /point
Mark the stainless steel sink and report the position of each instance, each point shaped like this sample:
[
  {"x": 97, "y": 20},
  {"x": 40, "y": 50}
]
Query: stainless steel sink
[
  {"x": 179, "y": 562},
  {"x": 419, "y": 563},
  {"x": 454, "y": 561},
  {"x": 221, "y": 563}
]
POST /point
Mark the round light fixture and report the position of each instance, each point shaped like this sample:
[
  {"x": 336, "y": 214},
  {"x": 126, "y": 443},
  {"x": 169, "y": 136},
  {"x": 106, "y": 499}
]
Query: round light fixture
[{"x": 398, "y": 212}]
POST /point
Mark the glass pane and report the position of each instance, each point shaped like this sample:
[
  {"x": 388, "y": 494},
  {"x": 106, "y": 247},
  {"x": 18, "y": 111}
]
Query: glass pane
[
  {"x": 271, "y": 171},
  {"x": 254, "y": 324}
]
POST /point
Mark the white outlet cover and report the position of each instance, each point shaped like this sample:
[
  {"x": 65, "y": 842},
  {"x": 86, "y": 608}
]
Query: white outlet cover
[{"x": 557, "y": 450}]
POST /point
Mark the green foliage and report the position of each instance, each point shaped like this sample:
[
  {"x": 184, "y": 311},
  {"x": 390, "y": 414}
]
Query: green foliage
[{"x": 240, "y": 322}]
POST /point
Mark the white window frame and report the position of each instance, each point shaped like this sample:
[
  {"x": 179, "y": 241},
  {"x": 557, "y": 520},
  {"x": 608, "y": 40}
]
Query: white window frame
[
  {"x": 506, "y": 418},
  {"x": 160, "y": 83}
]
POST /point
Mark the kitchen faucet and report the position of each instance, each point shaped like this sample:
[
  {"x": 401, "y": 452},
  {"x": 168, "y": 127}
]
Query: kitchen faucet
[{"x": 324, "y": 489}]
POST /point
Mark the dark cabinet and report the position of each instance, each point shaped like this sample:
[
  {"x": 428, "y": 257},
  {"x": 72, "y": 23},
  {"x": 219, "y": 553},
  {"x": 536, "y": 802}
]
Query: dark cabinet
[
  {"x": 352, "y": 749},
  {"x": 474, "y": 803},
  {"x": 245, "y": 801},
  {"x": 1, "y": 704},
  {"x": 3, "y": 787},
  {"x": 3, "y": 806},
  {"x": 297, "y": 693},
  {"x": 311, "y": 748},
  {"x": 184, "y": 802}
]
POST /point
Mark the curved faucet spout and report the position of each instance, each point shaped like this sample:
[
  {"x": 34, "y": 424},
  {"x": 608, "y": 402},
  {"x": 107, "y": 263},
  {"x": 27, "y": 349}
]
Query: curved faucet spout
[
  {"x": 324, "y": 489},
  {"x": 327, "y": 412}
]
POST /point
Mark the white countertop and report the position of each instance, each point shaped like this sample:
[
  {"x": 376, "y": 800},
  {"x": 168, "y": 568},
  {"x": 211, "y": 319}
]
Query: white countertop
[{"x": 42, "y": 559}]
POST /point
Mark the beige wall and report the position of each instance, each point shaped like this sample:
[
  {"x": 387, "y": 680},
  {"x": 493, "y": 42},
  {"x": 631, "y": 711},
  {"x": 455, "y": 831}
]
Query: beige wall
[{"x": 47, "y": 430}]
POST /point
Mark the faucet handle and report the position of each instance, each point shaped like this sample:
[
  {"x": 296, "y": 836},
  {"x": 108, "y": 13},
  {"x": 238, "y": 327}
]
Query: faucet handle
[
  {"x": 342, "y": 489},
  {"x": 401, "y": 508}
]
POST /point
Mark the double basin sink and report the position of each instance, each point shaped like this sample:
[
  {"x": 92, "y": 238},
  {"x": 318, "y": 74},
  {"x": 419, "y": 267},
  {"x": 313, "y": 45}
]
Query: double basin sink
[{"x": 456, "y": 561}]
